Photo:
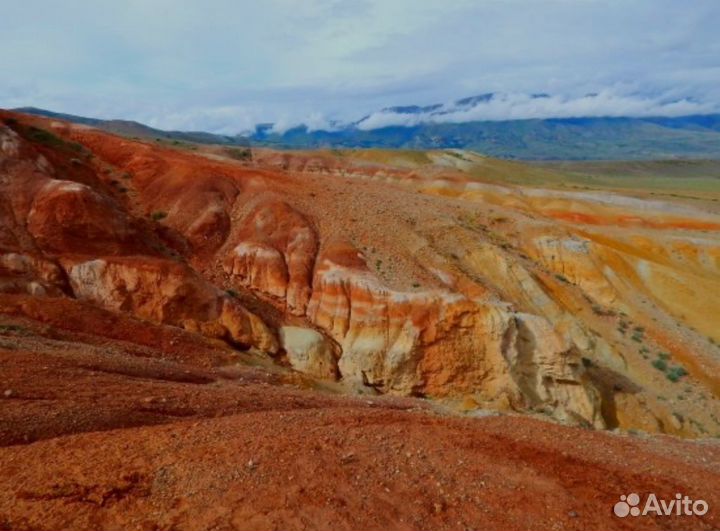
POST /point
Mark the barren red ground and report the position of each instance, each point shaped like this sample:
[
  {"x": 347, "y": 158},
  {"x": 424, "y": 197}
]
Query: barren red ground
[{"x": 111, "y": 439}]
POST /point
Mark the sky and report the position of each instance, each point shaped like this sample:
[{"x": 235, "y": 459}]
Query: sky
[{"x": 223, "y": 66}]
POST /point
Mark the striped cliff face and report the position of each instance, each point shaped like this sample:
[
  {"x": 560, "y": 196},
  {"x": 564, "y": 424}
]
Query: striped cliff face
[
  {"x": 439, "y": 342},
  {"x": 275, "y": 254}
]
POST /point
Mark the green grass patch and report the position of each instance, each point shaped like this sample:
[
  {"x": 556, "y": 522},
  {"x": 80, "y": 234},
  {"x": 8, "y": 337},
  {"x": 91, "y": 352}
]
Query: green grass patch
[
  {"x": 675, "y": 373},
  {"x": 660, "y": 365},
  {"x": 46, "y": 138}
]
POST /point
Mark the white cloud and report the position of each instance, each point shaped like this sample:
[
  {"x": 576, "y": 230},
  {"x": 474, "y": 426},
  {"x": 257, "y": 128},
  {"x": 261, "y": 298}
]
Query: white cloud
[
  {"x": 523, "y": 106},
  {"x": 227, "y": 120},
  {"x": 313, "y": 122}
]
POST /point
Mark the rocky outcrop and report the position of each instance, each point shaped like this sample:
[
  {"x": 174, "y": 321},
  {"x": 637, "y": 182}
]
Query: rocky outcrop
[
  {"x": 106, "y": 254},
  {"x": 199, "y": 212},
  {"x": 546, "y": 368},
  {"x": 275, "y": 254},
  {"x": 309, "y": 351},
  {"x": 67, "y": 216},
  {"x": 441, "y": 343},
  {"x": 9, "y": 143},
  {"x": 25, "y": 273},
  {"x": 575, "y": 259},
  {"x": 168, "y": 292}
]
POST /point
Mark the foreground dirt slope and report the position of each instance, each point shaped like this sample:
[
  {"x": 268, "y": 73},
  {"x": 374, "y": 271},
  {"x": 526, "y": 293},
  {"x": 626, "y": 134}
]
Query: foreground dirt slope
[{"x": 108, "y": 435}]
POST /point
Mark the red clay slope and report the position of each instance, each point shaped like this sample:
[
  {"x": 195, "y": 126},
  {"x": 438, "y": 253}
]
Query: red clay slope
[{"x": 108, "y": 435}]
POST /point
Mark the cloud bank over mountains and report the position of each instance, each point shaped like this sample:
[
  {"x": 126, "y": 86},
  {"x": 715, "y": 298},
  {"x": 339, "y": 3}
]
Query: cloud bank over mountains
[
  {"x": 495, "y": 106},
  {"x": 500, "y": 107}
]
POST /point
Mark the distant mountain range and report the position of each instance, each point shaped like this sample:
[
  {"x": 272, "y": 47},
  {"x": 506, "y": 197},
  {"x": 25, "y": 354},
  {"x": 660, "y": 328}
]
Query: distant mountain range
[{"x": 432, "y": 127}]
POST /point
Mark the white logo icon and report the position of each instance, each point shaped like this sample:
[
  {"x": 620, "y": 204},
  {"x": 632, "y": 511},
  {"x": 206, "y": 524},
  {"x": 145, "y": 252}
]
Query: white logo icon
[{"x": 627, "y": 505}]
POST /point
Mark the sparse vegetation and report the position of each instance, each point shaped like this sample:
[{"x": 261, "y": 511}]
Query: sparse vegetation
[
  {"x": 660, "y": 365},
  {"x": 699, "y": 425},
  {"x": 8, "y": 328},
  {"x": 456, "y": 155},
  {"x": 46, "y": 138},
  {"x": 599, "y": 310},
  {"x": 622, "y": 327},
  {"x": 239, "y": 153},
  {"x": 675, "y": 373}
]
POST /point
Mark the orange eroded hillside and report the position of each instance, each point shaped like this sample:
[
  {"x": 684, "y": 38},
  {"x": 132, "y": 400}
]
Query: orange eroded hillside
[{"x": 180, "y": 299}]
